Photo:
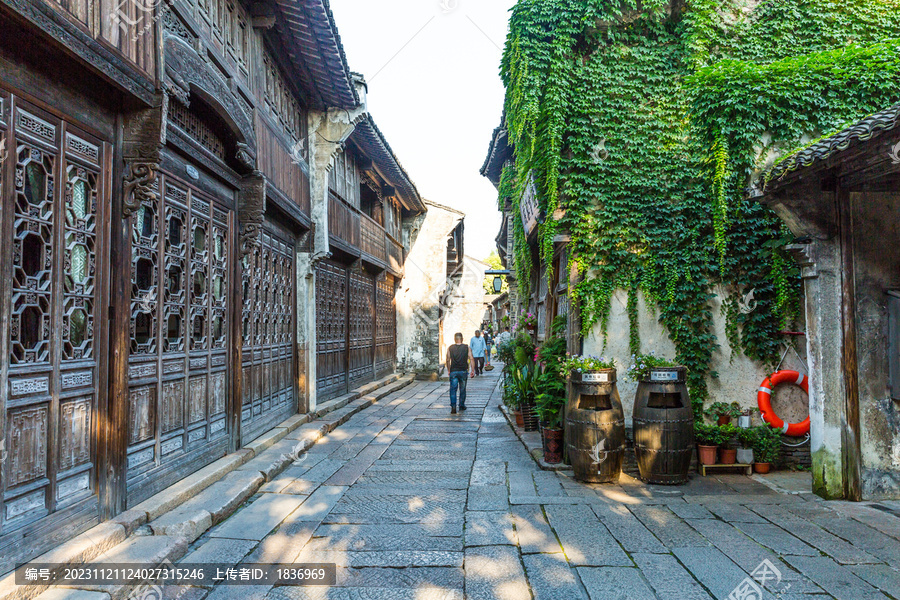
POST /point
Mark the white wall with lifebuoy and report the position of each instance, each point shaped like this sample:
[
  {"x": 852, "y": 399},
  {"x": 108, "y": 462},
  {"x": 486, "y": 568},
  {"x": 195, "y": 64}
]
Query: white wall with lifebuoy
[{"x": 739, "y": 377}]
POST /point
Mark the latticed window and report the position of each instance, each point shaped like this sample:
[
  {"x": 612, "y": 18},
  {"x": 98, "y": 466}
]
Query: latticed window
[{"x": 197, "y": 127}]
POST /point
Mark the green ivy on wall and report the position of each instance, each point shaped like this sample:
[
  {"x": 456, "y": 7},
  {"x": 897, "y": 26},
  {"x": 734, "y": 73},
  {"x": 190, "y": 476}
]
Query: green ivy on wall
[{"x": 643, "y": 127}]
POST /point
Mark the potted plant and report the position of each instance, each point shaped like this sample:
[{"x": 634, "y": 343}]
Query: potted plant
[
  {"x": 528, "y": 322},
  {"x": 588, "y": 364},
  {"x": 746, "y": 436},
  {"x": 524, "y": 379},
  {"x": 642, "y": 366},
  {"x": 726, "y": 435},
  {"x": 724, "y": 412},
  {"x": 707, "y": 437},
  {"x": 766, "y": 448},
  {"x": 550, "y": 390}
]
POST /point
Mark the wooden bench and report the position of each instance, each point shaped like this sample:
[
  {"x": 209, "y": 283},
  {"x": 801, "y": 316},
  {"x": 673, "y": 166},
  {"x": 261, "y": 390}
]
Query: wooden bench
[{"x": 703, "y": 468}]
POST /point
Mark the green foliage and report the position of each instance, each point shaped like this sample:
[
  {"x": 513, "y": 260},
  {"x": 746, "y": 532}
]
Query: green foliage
[
  {"x": 588, "y": 363},
  {"x": 551, "y": 385},
  {"x": 642, "y": 364},
  {"x": 746, "y": 436},
  {"x": 706, "y": 434},
  {"x": 714, "y": 435},
  {"x": 725, "y": 435},
  {"x": 766, "y": 444},
  {"x": 718, "y": 409},
  {"x": 644, "y": 128}
]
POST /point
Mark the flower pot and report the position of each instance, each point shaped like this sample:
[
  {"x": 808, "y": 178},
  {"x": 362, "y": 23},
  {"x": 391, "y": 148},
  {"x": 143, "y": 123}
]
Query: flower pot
[
  {"x": 552, "y": 439},
  {"x": 520, "y": 420},
  {"x": 744, "y": 421},
  {"x": 706, "y": 454},
  {"x": 745, "y": 456},
  {"x": 727, "y": 456},
  {"x": 762, "y": 468},
  {"x": 723, "y": 420}
]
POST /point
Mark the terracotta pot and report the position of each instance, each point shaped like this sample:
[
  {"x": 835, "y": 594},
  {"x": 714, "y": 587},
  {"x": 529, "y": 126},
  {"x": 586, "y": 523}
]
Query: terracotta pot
[
  {"x": 724, "y": 420},
  {"x": 553, "y": 445},
  {"x": 706, "y": 454},
  {"x": 762, "y": 468},
  {"x": 728, "y": 456},
  {"x": 520, "y": 420}
]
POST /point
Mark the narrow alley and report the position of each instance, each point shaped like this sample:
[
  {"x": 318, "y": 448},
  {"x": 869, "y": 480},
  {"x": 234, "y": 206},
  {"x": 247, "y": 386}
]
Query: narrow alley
[{"x": 412, "y": 503}]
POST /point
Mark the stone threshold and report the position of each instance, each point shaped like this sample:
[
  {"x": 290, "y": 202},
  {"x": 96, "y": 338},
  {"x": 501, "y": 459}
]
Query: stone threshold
[
  {"x": 178, "y": 515},
  {"x": 533, "y": 444}
]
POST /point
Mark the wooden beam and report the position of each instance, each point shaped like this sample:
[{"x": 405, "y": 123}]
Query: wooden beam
[{"x": 851, "y": 454}]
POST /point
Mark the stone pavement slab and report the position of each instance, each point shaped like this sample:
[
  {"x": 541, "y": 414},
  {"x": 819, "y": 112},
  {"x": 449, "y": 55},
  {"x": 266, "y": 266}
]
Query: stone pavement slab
[
  {"x": 606, "y": 583},
  {"x": 492, "y": 528},
  {"x": 668, "y": 528},
  {"x": 883, "y": 577},
  {"x": 495, "y": 573},
  {"x": 387, "y": 537},
  {"x": 259, "y": 518},
  {"x": 627, "y": 529},
  {"x": 668, "y": 578},
  {"x": 712, "y": 568},
  {"x": 776, "y": 538},
  {"x": 836, "y": 580},
  {"x": 551, "y": 578},
  {"x": 584, "y": 539},
  {"x": 533, "y": 531}
]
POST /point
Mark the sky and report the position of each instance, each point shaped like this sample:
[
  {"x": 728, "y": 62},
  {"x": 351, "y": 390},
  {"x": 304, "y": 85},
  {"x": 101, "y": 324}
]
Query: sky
[{"x": 432, "y": 68}]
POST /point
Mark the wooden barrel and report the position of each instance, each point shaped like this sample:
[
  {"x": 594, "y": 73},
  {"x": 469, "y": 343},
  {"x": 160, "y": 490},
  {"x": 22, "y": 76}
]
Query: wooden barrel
[
  {"x": 663, "y": 426},
  {"x": 595, "y": 426}
]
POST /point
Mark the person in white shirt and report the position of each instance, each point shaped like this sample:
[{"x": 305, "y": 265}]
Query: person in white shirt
[
  {"x": 504, "y": 337},
  {"x": 478, "y": 348}
]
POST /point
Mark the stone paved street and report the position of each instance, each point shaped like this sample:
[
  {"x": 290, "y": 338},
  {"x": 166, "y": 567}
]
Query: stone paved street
[{"x": 412, "y": 503}]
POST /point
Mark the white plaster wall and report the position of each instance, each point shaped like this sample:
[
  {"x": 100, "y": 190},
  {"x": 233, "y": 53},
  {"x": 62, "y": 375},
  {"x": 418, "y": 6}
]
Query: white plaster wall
[
  {"x": 465, "y": 316},
  {"x": 420, "y": 291},
  {"x": 739, "y": 377}
]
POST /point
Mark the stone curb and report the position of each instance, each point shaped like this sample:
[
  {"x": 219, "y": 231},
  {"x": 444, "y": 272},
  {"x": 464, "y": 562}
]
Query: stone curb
[
  {"x": 535, "y": 448},
  {"x": 109, "y": 534}
]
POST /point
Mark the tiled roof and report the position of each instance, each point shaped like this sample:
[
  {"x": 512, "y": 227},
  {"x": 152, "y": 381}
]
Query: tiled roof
[
  {"x": 373, "y": 144},
  {"x": 863, "y": 130},
  {"x": 314, "y": 48},
  {"x": 499, "y": 152}
]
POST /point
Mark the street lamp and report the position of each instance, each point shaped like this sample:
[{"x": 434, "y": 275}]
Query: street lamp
[{"x": 498, "y": 284}]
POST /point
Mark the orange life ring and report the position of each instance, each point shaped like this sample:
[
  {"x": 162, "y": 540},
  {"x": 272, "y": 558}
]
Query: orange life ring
[{"x": 764, "y": 400}]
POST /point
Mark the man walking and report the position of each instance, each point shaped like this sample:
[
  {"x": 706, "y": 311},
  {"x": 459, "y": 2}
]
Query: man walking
[
  {"x": 459, "y": 361},
  {"x": 478, "y": 348},
  {"x": 488, "y": 342},
  {"x": 504, "y": 337}
]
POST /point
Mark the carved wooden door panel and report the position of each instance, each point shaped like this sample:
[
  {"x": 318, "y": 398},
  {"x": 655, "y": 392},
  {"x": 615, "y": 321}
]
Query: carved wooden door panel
[
  {"x": 178, "y": 364},
  {"x": 55, "y": 198},
  {"x": 385, "y": 326},
  {"x": 331, "y": 330},
  {"x": 362, "y": 328},
  {"x": 268, "y": 332}
]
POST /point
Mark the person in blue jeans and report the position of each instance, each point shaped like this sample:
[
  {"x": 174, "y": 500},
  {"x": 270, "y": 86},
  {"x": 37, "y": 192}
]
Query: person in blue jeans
[
  {"x": 459, "y": 364},
  {"x": 478, "y": 349}
]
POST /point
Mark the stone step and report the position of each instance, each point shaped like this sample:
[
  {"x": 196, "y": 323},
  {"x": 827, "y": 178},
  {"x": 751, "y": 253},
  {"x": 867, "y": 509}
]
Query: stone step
[
  {"x": 141, "y": 551},
  {"x": 189, "y": 521},
  {"x": 209, "y": 507}
]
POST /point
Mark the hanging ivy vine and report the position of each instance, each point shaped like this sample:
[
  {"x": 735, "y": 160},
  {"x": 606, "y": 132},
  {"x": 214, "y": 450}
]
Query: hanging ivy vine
[{"x": 643, "y": 127}]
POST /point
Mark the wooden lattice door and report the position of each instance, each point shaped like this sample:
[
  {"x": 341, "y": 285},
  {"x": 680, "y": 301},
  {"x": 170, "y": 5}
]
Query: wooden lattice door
[
  {"x": 362, "y": 328},
  {"x": 178, "y": 371},
  {"x": 331, "y": 330},
  {"x": 385, "y": 326},
  {"x": 55, "y": 202},
  {"x": 268, "y": 333}
]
